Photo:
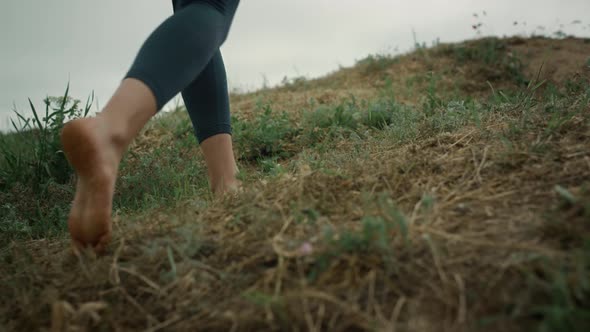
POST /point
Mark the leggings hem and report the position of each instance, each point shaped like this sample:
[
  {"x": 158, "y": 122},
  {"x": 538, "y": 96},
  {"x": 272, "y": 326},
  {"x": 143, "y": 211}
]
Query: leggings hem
[
  {"x": 219, "y": 129},
  {"x": 150, "y": 83}
]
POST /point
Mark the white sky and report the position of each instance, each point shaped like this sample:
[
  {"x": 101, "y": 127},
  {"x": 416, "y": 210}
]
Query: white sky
[{"x": 43, "y": 44}]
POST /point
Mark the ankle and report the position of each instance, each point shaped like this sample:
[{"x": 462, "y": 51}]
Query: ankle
[
  {"x": 115, "y": 134},
  {"x": 119, "y": 141}
]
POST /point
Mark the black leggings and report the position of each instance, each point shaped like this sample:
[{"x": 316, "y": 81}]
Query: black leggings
[{"x": 182, "y": 55}]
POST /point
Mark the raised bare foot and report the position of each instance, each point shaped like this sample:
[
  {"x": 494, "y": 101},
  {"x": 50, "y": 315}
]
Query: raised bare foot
[{"x": 93, "y": 154}]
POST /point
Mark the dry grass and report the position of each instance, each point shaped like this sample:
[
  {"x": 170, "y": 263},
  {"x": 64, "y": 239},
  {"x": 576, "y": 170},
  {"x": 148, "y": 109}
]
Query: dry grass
[{"x": 446, "y": 232}]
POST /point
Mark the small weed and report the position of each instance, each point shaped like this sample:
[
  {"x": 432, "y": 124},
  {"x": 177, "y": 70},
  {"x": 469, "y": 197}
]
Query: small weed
[
  {"x": 344, "y": 115},
  {"x": 375, "y": 236},
  {"x": 41, "y": 159},
  {"x": 551, "y": 94},
  {"x": 171, "y": 179},
  {"x": 294, "y": 82},
  {"x": 432, "y": 101},
  {"x": 331, "y": 122},
  {"x": 561, "y": 291},
  {"x": 556, "y": 123},
  {"x": 304, "y": 213},
  {"x": 35, "y": 176},
  {"x": 450, "y": 117},
  {"x": 572, "y": 231},
  {"x": 380, "y": 114},
  {"x": 427, "y": 202},
  {"x": 266, "y": 136},
  {"x": 376, "y": 63},
  {"x": 497, "y": 62},
  {"x": 272, "y": 303},
  {"x": 560, "y": 288},
  {"x": 513, "y": 65},
  {"x": 577, "y": 85},
  {"x": 404, "y": 124},
  {"x": 488, "y": 50},
  {"x": 271, "y": 166},
  {"x": 397, "y": 219},
  {"x": 259, "y": 298}
]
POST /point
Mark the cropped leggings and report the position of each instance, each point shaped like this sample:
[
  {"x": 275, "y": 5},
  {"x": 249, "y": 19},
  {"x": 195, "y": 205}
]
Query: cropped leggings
[{"x": 182, "y": 55}]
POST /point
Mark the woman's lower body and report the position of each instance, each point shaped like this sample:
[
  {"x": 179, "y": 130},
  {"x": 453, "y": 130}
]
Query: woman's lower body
[{"x": 181, "y": 55}]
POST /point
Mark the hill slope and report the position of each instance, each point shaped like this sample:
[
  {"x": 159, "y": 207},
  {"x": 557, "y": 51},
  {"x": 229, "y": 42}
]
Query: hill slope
[{"x": 443, "y": 190}]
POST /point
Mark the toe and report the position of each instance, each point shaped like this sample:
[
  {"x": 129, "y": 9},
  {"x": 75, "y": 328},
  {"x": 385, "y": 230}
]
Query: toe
[{"x": 102, "y": 244}]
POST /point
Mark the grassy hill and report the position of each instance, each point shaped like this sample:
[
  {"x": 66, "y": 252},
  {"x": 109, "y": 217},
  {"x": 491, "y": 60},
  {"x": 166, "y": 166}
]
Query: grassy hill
[{"x": 447, "y": 189}]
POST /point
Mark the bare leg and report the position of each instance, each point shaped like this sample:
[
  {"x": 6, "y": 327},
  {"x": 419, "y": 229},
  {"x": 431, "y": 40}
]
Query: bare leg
[
  {"x": 221, "y": 165},
  {"x": 94, "y": 147}
]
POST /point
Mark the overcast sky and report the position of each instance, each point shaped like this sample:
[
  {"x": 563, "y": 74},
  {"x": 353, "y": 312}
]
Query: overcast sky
[{"x": 91, "y": 44}]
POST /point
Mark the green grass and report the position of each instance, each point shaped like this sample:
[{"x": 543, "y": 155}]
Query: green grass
[
  {"x": 33, "y": 153},
  {"x": 492, "y": 59},
  {"x": 172, "y": 178},
  {"x": 376, "y": 63},
  {"x": 37, "y": 183},
  {"x": 561, "y": 289},
  {"x": 34, "y": 173},
  {"x": 41, "y": 173},
  {"x": 265, "y": 136}
]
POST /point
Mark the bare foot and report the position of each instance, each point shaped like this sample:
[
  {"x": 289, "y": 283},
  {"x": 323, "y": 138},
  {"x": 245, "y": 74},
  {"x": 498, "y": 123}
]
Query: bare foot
[
  {"x": 232, "y": 187},
  {"x": 95, "y": 158}
]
